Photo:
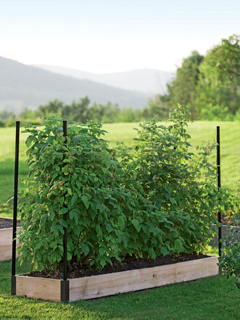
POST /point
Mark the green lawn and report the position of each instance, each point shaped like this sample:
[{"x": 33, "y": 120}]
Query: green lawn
[
  {"x": 210, "y": 298},
  {"x": 199, "y": 130}
]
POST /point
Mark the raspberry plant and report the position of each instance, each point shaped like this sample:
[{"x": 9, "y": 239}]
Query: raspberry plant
[{"x": 158, "y": 200}]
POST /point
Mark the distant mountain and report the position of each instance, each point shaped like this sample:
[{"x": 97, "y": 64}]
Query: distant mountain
[
  {"x": 147, "y": 81},
  {"x": 27, "y": 86}
]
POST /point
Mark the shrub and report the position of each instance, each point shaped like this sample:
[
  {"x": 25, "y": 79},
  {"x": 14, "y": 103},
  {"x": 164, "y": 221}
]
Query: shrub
[
  {"x": 175, "y": 180},
  {"x": 158, "y": 200},
  {"x": 83, "y": 180}
]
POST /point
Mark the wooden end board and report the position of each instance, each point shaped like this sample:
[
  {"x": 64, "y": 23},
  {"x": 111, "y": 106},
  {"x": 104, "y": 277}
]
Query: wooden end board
[
  {"x": 6, "y": 244},
  {"x": 40, "y": 288},
  {"x": 120, "y": 282}
]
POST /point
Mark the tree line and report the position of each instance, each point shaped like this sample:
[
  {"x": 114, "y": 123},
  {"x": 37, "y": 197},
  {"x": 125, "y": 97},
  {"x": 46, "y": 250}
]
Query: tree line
[
  {"x": 209, "y": 85},
  {"x": 78, "y": 111}
]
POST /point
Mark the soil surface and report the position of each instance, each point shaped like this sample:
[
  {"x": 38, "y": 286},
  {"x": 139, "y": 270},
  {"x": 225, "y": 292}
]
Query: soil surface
[
  {"x": 77, "y": 270},
  {"x": 7, "y": 223}
]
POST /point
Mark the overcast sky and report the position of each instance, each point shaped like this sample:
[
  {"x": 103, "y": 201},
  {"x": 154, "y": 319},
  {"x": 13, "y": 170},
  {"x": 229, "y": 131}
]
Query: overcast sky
[{"x": 113, "y": 35}]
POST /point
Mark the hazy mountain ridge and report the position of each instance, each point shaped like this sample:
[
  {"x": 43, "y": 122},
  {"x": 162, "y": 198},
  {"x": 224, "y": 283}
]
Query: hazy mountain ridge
[
  {"x": 29, "y": 86},
  {"x": 148, "y": 81}
]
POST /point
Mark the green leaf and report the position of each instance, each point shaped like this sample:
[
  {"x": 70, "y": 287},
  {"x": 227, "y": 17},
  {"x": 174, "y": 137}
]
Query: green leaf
[
  {"x": 103, "y": 263},
  {"x": 29, "y": 140},
  {"x": 73, "y": 214},
  {"x": 109, "y": 228},
  {"x": 85, "y": 201},
  {"x": 101, "y": 207},
  {"x": 54, "y": 255},
  {"x": 125, "y": 239},
  {"x": 74, "y": 198},
  {"x": 63, "y": 223},
  {"x": 79, "y": 184},
  {"x": 152, "y": 253},
  {"x": 173, "y": 201},
  {"x": 101, "y": 251},
  {"x": 145, "y": 237},
  {"x": 136, "y": 222},
  {"x": 76, "y": 230},
  {"x": 61, "y": 229},
  {"x": 121, "y": 221},
  {"x": 178, "y": 245},
  {"x": 99, "y": 230},
  {"x": 164, "y": 251},
  {"x": 50, "y": 139},
  {"x": 64, "y": 210},
  {"x": 85, "y": 249},
  {"x": 76, "y": 139}
]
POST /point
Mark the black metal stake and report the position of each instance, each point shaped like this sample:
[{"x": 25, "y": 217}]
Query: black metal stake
[
  {"x": 65, "y": 282},
  {"x": 219, "y": 186},
  {"x": 13, "y": 278}
]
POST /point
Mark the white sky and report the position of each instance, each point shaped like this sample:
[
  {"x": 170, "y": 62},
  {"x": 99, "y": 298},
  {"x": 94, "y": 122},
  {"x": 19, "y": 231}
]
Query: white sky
[{"x": 113, "y": 35}]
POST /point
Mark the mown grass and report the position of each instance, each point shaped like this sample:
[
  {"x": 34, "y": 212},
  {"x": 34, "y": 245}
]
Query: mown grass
[
  {"x": 210, "y": 298},
  {"x": 200, "y": 131}
]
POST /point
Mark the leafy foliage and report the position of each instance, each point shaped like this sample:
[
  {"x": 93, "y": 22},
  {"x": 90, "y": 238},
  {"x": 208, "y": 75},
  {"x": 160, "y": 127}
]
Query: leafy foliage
[
  {"x": 220, "y": 76},
  {"x": 176, "y": 181},
  {"x": 183, "y": 88},
  {"x": 158, "y": 200},
  {"x": 85, "y": 181},
  {"x": 230, "y": 254}
]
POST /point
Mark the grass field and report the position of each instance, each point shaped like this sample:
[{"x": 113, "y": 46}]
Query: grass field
[{"x": 200, "y": 131}]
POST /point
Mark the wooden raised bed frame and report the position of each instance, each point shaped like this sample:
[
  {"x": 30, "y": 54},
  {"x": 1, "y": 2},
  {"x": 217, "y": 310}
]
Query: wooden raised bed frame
[
  {"x": 6, "y": 243},
  {"x": 114, "y": 283}
]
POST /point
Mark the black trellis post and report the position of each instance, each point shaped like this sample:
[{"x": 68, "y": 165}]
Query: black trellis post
[
  {"x": 13, "y": 278},
  {"x": 219, "y": 186},
  {"x": 65, "y": 282}
]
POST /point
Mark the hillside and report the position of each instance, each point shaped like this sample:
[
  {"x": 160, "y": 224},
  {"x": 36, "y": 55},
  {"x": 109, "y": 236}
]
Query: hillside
[
  {"x": 148, "y": 81},
  {"x": 27, "y": 86}
]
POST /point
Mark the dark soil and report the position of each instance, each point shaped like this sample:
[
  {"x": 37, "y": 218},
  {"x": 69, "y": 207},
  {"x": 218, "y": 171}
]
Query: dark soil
[
  {"x": 7, "y": 223},
  {"x": 77, "y": 270}
]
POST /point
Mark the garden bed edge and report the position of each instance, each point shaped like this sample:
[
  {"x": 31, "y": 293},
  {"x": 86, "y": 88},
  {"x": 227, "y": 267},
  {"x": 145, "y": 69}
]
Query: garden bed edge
[{"x": 120, "y": 282}]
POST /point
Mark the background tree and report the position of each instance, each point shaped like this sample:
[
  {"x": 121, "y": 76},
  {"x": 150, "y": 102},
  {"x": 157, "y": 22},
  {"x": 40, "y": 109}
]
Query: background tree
[
  {"x": 53, "y": 107},
  {"x": 157, "y": 107},
  {"x": 79, "y": 110},
  {"x": 183, "y": 89},
  {"x": 220, "y": 76}
]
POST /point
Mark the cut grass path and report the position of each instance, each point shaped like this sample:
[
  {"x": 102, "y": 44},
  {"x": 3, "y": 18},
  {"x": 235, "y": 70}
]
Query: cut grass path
[
  {"x": 213, "y": 298},
  {"x": 199, "y": 130}
]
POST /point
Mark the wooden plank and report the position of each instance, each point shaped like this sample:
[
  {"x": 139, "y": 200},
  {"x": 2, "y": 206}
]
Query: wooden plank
[
  {"x": 40, "y": 288},
  {"x": 6, "y": 244},
  {"x": 109, "y": 284}
]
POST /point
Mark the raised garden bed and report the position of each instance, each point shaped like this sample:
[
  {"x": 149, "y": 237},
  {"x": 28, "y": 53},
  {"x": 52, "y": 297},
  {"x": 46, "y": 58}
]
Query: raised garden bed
[
  {"x": 102, "y": 285},
  {"x": 6, "y": 225}
]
